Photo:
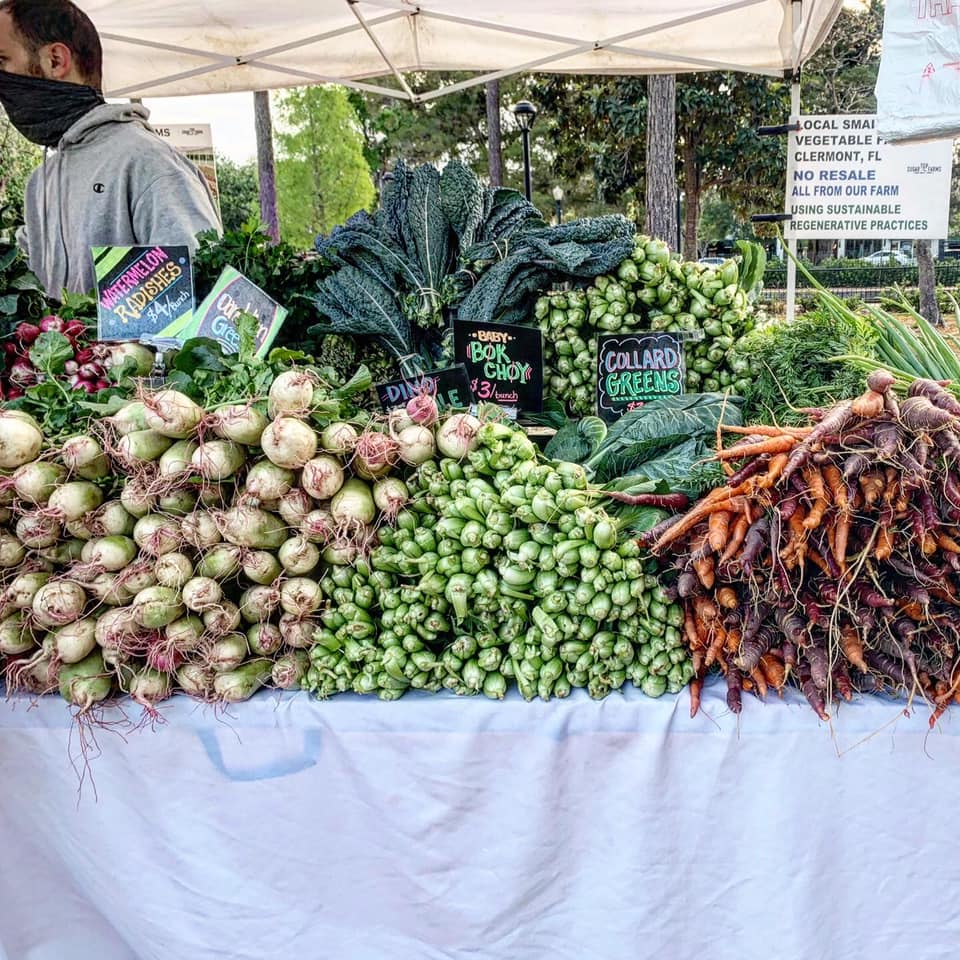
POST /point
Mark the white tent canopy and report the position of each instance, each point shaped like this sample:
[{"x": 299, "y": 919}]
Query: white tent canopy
[{"x": 171, "y": 47}]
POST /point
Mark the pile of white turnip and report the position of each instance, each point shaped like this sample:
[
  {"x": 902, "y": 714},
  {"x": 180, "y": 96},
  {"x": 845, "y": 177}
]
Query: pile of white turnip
[{"x": 182, "y": 548}]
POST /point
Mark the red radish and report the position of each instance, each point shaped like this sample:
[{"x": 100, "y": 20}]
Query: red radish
[
  {"x": 51, "y": 322},
  {"x": 26, "y": 333},
  {"x": 101, "y": 385},
  {"x": 74, "y": 328},
  {"x": 22, "y": 374},
  {"x": 89, "y": 371},
  {"x": 84, "y": 356},
  {"x": 71, "y": 367}
]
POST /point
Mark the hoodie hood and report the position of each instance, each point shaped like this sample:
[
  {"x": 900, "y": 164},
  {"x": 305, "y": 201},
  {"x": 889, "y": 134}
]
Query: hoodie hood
[{"x": 87, "y": 128}]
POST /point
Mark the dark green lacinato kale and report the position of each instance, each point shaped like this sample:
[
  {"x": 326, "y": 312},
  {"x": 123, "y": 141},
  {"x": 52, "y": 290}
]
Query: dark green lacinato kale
[
  {"x": 537, "y": 258},
  {"x": 442, "y": 243}
]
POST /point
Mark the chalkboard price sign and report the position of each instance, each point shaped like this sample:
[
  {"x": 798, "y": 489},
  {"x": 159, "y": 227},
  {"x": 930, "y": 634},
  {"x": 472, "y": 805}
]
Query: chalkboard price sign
[
  {"x": 449, "y": 386},
  {"x": 633, "y": 370},
  {"x": 504, "y": 362},
  {"x": 142, "y": 291}
]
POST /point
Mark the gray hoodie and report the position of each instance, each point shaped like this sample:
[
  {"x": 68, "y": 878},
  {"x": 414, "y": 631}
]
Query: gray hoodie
[{"x": 111, "y": 182}]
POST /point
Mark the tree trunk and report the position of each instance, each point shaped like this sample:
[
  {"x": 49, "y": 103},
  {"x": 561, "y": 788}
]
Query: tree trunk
[
  {"x": 494, "y": 152},
  {"x": 927, "y": 282},
  {"x": 265, "y": 163},
  {"x": 691, "y": 200},
  {"x": 661, "y": 218}
]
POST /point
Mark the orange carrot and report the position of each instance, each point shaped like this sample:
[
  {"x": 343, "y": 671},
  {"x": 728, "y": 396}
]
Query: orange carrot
[
  {"x": 772, "y": 445},
  {"x": 841, "y": 531},
  {"x": 913, "y": 609},
  {"x": 818, "y": 493},
  {"x": 718, "y": 527},
  {"x": 815, "y": 558},
  {"x": 696, "y": 685},
  {"x": 737, "y": 536},
  {"x": 703, "y": 567},
  {"x": 690, "y": 628},
  {"x": 852, "y": 647},
  {"x": 774, "y": 671},
  {"x": 777, "y": 464},
  {"x": 732, "y": 643},
  {"x": 868, "y": 405},
  {"x": 698, "y": 513},
  {"x": 872, "y": 486},
  {"x": 716, "y": 646},
  {"x": 705, "y": 609},
  {"x": 727, "y": 598},
  {"x": 947, "y": 543},
  {"x": 762, "y": 430},
  {"x": 928, "y": 544},
  {"x": 756, "y": 674},
  {"x": 835, "y": 485},
  {"x": 884, "y": 545}
]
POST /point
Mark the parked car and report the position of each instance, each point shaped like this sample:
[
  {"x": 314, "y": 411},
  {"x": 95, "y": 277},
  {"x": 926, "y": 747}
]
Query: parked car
[
  {"x": 712, "y": 261},
  {"x": 886, "y": 258}
]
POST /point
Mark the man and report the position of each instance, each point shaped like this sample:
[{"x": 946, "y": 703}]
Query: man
[{"x": 112, "y": 180}]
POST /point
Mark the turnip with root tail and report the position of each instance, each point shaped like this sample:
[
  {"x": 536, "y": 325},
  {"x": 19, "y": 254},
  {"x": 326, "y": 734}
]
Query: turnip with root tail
[
  {"x": 222, "y": 618},
  {"x": 322, "y": 477},
  {"x": 259, "y": 603},
  {"x": 73, "y": 500},
  {"x": 140, "y": 447},
  {"x": 76, "y": 640},
  {"x": 185, "y": 634},
  {"x": 339, "y": 438},
  {"x": 266, "y": 481},
  {"x": 149, "y": 686},
  {"x": 294, "y": 507},
  {"x": 17, "y": 635},
  {"x": 291, "y": 393},
  {"x": 261, "y": 567},
  {"x": 318, "y": 526},
  {"x": 196, "y": 680},
  {"x": 58, "y": 602},
  {"x": 298, "y": 556},
  {"x": 251, "y": 527},
  {"x": 457, "y": 436},
  {"x": 416, "y": 445},
  {"x": 228, "y": 652},
  {"x": 173, "y": 570},
  {"x": 109, "y": 554},
  {"x": 265, "y": 639},
  {"x": 422, "y": 407},
  {"x": 218, "y": 459},
  {"x": 172, "y": 414},
  {"x": 12, "y": 551},
  {"x": 36, "y": 481},
  {"x": 109, "y": 589},
  {"x": 289, "y": 443},
  {"x": 155, "y": 607},
  {"x": 200, "y": 530},
  {"x": 23, "y": 588},
  {"x": 375, "y": 454},
  {"x": 156, "y": 535},
  {"x": 84, "y": 457},
  {"x": 127, "y": 419},
  {"x": 136, "y": 498},
  {"x": 241, "y": 423},
  {"x": 86, "y": 682},
  {"x": 36, "y": 531},
  {"x": 20, "y": 440},
  {"x": 201, "y": 594},
  {"x": 221, "y": 562},
  {"x": 289, "y": 670},
  {"x": 390, "y": 496},
  {"x": 113, "y": 520},
  {"x": 353, "y": 506},
  {"x": 300, "y": 596},
  {"x": 242, "y": 683},
  {"x": 176, "y": 460},
  {"x": 297, "y": 631},
  {"x": 64, "y": 553}
]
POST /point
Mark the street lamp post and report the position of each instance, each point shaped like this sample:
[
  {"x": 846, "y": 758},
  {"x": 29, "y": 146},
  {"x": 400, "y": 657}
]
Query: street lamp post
[
  {"x": 558, "y": 200},
  {"x": 525, "y": 113}
]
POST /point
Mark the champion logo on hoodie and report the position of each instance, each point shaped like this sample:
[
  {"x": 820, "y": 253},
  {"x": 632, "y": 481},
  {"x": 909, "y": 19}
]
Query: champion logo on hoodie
[{"x": 98, "y": 188}]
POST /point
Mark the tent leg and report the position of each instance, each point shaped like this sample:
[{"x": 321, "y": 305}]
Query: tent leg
[
  {"x": 266, "y": 168},
  {"x": 791, "y": 239}
]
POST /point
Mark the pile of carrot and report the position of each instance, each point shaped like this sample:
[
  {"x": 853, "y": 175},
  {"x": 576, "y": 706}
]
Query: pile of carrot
[{"x": 831, "y": 557}]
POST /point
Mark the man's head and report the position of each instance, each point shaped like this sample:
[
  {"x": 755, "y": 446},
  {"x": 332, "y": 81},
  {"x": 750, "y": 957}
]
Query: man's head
[{"x": 49, "y": 38}]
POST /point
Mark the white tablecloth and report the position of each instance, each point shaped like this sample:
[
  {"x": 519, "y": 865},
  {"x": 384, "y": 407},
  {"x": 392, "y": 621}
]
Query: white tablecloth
[{"x": 437, "y": 827}]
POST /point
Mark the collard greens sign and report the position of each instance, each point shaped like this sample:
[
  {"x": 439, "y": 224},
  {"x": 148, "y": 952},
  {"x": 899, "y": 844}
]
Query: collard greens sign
[{"x": 843, "y": 180}]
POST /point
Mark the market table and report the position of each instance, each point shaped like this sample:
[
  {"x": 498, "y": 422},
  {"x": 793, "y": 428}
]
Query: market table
[{"x": 437, "y": 827}]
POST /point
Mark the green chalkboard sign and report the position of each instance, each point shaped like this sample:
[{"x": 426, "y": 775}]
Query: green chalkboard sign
[
  {"x": 142, "y": 291},
  {"x": 633, "y": 370},
  {"x": 232, "y": 295}
]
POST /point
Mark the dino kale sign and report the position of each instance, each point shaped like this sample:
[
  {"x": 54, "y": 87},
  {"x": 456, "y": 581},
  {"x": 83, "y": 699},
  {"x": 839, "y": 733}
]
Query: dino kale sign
[
  {"x": 633, "y": 370},
  {"x": 142, "y": 291},
  {"x": 504, "y": 362},
  {"x": 450, "y": 387}
]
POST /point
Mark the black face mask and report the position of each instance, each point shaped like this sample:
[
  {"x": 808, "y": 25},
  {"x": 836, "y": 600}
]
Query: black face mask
[{"x": 44, "y": 110}]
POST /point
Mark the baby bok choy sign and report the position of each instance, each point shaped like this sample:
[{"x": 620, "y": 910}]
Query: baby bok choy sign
[
  {"x": 633, "y": 370},
  {"x": 504, "y": 363}
]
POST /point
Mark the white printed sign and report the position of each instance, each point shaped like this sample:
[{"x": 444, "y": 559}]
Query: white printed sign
[
  {"x": 187, "y": 137},
  {"x": 844, "y": 181}
]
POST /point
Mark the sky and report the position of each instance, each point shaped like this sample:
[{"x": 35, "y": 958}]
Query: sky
[{"x": 229, "y": 114}]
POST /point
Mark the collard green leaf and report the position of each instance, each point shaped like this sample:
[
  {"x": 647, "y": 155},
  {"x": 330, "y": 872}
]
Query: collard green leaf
[
  {"x": 641, "y": 434},
  {"x": 247, "y": 327},
  {"x": 577, "y": 441},
  {"x": 361, "y": 381}
]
